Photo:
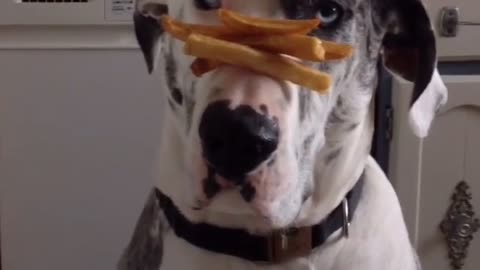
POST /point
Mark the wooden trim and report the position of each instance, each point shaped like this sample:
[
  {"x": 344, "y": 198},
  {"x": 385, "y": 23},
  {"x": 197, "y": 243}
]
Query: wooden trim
[{"x": 405, "y": 158}]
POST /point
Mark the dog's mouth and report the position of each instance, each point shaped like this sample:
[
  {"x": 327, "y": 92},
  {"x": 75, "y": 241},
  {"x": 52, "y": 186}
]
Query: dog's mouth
[
  {"x": 262, "y": 190},
  {"x": 215, "y": 183}
]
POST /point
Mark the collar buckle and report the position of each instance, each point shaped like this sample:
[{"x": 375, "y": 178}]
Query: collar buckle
[
  {"x": 346, "y": 218},
  {"x": 288, "y": 244}
]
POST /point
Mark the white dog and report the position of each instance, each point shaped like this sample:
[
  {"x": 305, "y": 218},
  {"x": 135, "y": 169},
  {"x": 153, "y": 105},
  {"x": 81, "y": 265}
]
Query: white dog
[{"x": 256, "y": 173}]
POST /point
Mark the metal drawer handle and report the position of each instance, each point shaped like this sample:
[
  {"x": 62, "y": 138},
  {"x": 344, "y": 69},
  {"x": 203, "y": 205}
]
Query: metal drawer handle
[
  {"x": 460, "y": 225},
  {"x": 450, "y": 21}
]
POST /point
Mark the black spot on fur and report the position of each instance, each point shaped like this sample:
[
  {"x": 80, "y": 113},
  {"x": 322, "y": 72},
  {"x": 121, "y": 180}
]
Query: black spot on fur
[
  {"x": 145, "y": 249},
  {"x": 303, "y": 98},
  {"x": 264, "y": 109},
  {"x": 171, "y": 70},
  {"x": 171, "y": 74},
  {"x": 332, "y": 155},
  {"x": 275, "y": 120},
  {"x": 335, "y": 117},
  {"x": 352, "y": 126},
  {"x": 189, "y": 106},
  {"x": 308, "y": 142},
  {"x": 177, "y": 95},
  {"x": 210, "y": 186},
  {"x": 208, "y": 4},
  {"x": 248, "y": 192}
]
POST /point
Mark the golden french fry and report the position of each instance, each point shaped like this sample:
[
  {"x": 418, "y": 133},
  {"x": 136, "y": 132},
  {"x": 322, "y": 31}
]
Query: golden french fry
[
  {"x": 254, "y": 25},
  {"x": 336, "y": 51},
  {"x": 299, "y": 46},
  {"x": 173, "y": 29},
  {"x": 276, "y": 66},
  {"x": 201, "y": 66},
  {"x": 182, "y": 30}
]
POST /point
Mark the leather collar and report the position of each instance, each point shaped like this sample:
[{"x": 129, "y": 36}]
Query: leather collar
[{"x": 274, "y": 248}]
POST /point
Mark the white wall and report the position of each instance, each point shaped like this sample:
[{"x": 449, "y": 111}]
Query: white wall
[{"x": 79, "y": 130}]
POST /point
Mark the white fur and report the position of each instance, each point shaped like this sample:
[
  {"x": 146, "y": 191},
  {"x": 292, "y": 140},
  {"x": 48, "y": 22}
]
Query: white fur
[{"x": 425, "y": 108}]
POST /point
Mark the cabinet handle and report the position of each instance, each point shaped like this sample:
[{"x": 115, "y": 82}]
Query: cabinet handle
[
  {"x": 460, "y": 225},
  {"x": 450, "y": 21}
]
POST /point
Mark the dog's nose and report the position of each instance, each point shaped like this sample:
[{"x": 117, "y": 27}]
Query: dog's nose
[{"x": 236, "y": 141}]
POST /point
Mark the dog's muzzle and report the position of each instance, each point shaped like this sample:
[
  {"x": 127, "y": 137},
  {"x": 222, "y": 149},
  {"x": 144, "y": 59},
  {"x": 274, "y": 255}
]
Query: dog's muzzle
[{"x": 236, "y": 141}]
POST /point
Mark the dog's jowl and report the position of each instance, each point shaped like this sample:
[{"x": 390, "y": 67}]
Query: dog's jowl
[{"x": 258, "y": 173}]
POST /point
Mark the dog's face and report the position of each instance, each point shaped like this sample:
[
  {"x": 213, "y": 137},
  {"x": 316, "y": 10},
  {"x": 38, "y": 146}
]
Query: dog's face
[{"x": 253, "y": 142}]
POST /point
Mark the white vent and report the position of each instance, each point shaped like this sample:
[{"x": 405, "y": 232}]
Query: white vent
[
  {"x": 54, "y": 1},
  {"x": 66, "y": 12}
]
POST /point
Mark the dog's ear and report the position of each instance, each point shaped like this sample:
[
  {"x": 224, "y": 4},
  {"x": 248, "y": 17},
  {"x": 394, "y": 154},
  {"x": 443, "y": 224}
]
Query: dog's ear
[
  {"x": 148, "y": 29},
  {"x": 409, "y": 51}
]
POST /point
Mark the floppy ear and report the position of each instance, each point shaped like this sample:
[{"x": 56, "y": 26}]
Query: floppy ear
[
  {"x": 409, "y": 51},
  {"x": 148, "y": 29}
]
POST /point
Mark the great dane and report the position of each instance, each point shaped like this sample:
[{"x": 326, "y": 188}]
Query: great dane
[{"x": 257, "y": 173}]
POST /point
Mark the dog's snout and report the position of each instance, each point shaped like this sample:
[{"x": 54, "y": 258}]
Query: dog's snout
[{"x": 236, "y": 141}]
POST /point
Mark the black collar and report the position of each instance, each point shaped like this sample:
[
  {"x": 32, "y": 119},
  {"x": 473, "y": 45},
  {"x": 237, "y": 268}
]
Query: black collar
[{"x": 274, "y": 248}]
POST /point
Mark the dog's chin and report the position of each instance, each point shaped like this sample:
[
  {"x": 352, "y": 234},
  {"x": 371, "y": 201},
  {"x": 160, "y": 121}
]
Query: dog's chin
[{"x": 228, "y": 208}]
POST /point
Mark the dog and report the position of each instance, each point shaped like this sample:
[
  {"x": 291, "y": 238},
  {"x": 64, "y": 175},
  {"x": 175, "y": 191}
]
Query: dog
[{"x": 257, "y": 173}]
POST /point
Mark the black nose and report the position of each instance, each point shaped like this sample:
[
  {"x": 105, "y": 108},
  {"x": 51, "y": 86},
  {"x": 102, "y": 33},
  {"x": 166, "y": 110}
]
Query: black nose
[{"x": 237, "y": 141}]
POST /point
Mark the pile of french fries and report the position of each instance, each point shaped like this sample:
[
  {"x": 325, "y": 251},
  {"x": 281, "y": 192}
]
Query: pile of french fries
[{"x": 275, "y": 48}]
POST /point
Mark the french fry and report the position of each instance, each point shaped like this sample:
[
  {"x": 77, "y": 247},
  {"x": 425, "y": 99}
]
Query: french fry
[
  {"x": 201, "y": 66},
  {"x": 182, "y": 30},
  {"x": 336, "y": 51},
  {"x": 253, "y": 25},
  {"x": 300, "y": 46},
  {"x": 273, "y": 65},
  {"x": 327, "y": 51}
]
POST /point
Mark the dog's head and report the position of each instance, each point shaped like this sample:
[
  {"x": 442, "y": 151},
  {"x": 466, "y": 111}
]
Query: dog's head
[{"x": 246, "y": 141}]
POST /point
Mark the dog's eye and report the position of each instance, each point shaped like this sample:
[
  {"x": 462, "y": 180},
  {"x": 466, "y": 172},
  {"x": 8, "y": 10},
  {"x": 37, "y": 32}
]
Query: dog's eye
[
  {"x": 329, "y": 13},
  {"x": 208, "y": 4}
]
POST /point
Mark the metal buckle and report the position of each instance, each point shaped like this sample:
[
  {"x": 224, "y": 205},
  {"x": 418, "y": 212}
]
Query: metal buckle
[
  {"x": 346, "y": 218},
  {"x": 289, "y": 244}
]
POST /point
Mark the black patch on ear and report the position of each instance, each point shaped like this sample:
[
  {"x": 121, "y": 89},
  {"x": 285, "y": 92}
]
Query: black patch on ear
[
  {"x": 148, "y": 31},
  {"x": 411, "y": 53}
]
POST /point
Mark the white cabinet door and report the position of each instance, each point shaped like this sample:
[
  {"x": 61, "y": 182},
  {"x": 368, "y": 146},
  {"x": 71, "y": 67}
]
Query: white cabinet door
[
  {"x": 79, "y": 130},
  {"x": 427, "y": 172},
  {"x": 465, "y": 44}
]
